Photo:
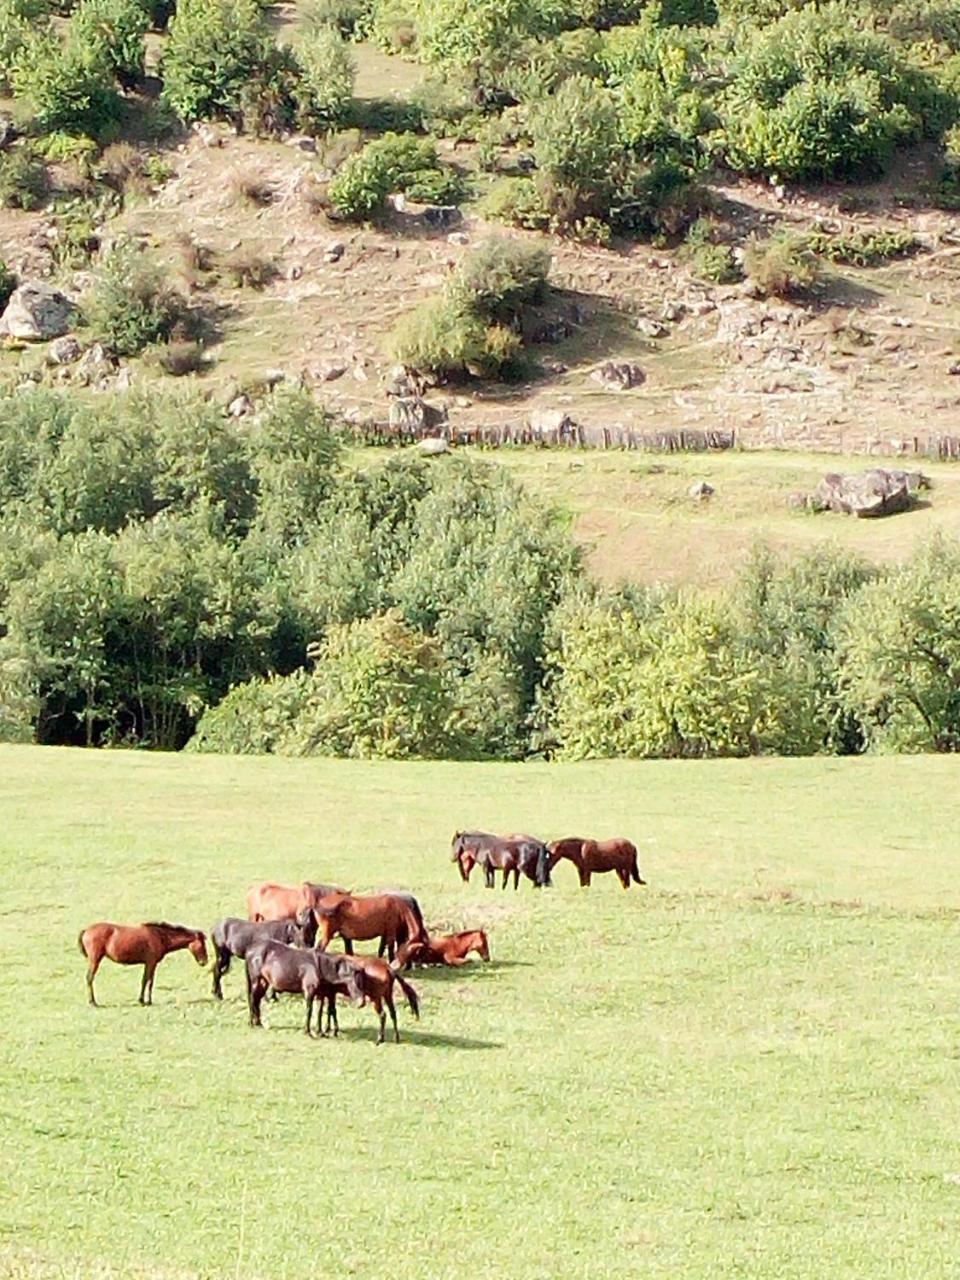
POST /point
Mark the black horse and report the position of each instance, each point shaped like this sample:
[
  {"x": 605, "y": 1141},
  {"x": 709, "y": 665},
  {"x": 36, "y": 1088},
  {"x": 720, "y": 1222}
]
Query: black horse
[
  {"x": 509, "y": 854},
  {"x": 234, "y": 937},
  {"x": 318, "y": 975}
]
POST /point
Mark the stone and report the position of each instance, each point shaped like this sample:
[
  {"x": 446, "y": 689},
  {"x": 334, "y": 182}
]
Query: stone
[
  {"x": 616, "y": 375},
  {"x": 404, "y": 382},
  {"x": 432, "y": 445},
  {"x": 551, "y": 422},
  {"x": 36, "y": 313},
  {"x": 458, "y": 237},
  {"x": 96, "y": 366},
  {"x": 122, "y": 380},
  {"x": 303, "y": 142},
  {"x": 398, "y": 201},
  {"x": 334, "y": 252},
  {"x": 65, "y": 350},
  {"x": 8, "y": 130},
  {"x": 273, "y": 377},
  {"x": 651, "y": 328},
  {"x": 671, "y": 312},
  {"x": 701, "y": 491},
  {"x": 331, "y": 372},
  {"x": 866, "y": 494},
  {"x": 954, "y": 368},
  {"x": 441, "y": 216},
  {"x": 240, "y": 406},
  {"x": 414, "y": 414},
  {"x": 295, "y": 272}
]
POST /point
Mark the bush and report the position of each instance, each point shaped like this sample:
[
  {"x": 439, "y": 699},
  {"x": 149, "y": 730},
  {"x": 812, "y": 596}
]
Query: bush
[
  {"x": 781, "y": 266},
  {"x": 396, "y": 162},
  {"x": 14, "y": 33},
  {"x": 131, "y": 306},
  {"x": 247, "y": 269},
  {"x": 517, "y": 201},
  {"x": 8, "y": 282},
  {"x": 218, "y": 53},
  {"x": 578, "y": 151},
  {"x": 181, "y": 357},
  {"x": 709, "y": 259},
  {"x": 118, "y": 28},
  {"x": 23, "y": 179},
  {"x": 254, "y": 718},
  {"x": 68, "y": 84},
  {"x": 500, "y": 277},
  {"x": 324, "y": 88},
  {"x": 864, "y": 248}
]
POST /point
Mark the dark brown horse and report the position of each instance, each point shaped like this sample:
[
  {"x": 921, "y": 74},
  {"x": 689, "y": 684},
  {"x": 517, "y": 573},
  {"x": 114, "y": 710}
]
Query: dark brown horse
[
  {"x": 510, "y": 854},
  {"x": 596, "y": 856},
  {"x": 271, "y": 901},
  {"x": 450, "y": 950},
  {"x": 233, "y": 937},
  {"x": 318, "y": 976},
  {"x": 378, "y": 978},
  {"x": 391, "y": 917},
  {"x": 144, "y": 944}
]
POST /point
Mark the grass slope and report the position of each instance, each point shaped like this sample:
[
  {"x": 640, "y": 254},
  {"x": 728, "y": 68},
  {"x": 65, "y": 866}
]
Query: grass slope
[{"x": 747, "y": 1069}]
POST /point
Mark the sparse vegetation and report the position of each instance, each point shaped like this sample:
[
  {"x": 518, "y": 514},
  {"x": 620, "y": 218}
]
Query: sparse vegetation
[
  {"x": 131, "y": 306},
  {"x": 780, "y": 266},
  {"x": 397, "y": 162},
  {"x": 24, "y": 183}
]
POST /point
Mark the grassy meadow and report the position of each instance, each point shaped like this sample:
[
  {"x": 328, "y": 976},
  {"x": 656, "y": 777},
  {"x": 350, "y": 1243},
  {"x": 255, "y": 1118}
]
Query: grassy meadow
[{"x": 749, "y": 1068}]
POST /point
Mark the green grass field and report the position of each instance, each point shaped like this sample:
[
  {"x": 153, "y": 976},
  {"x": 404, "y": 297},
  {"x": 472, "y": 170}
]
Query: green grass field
[{"x": 749, "y": 1068}]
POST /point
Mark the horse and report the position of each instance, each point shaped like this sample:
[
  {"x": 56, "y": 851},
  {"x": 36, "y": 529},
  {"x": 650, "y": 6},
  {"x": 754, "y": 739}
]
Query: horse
[
  {"x": 270, "y": 901},
  {"x": 378, "y": 978},
  {"x": 144, "y": 944},
  {"x": 386, "y": 916},
  {"x": 510, "y": 854},
  {"x": 596, "y": 856},
  {"x": 319, "y": 976},
  {"x": 233, "y": 937},
  {"x": 450, "y": 950}
]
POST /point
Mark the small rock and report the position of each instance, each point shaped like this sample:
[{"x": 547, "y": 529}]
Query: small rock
[
  {"x": 303, "y": 143},
  {"x": 432, "y": 445},
  {"x": 651, "y": 328},
  {"x": 463, "y": 402},
  {"x": 671, "y": 312},
  {"x": 618, "y": 375},
  {"x": 551, "y": 422},
  {"x": 36, "y": 313},
  {"x": 273, "y": 377},
  {"x": 295, "y": 272},
  {"x": 414, "y": 414},
  {"x": 122, "y": 380},
  {"x": 954, "y": 368},
  {"x": 901, "y": 322},
  {"x": 96, "y": 366},
  {"x": 334, "y": 252},
  {"x": 65, "y": 350},
  {"x": 359, "y": 373},
  {"x": 8, "y": 130},
  {"x": 701, "y": 491},
  {"x": 458, "y": 237},
  {"x": 240, "y": 407},
  {"x": 331, "y": 372},
  {"x": 207, "y": 136},
  {"x": 442, "y": 216},
  {"x": 398, "y": 201}
]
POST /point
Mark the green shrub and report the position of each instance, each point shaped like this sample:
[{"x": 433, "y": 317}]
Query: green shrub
[
  {"x": 131, "y": 306},
  {"x": 352, "y": 18},
  {"x": 517, "y": 201},
  {"x": 442, "y": 337},
  {"x": 14, "y": 33},
  {"x": 68, "y": 83},
  {"x": 397, "y": 162},
  {"x": 780, "y": 266},
  {"x": 501, "y": 276},
  {"x": 219, "y": 56},
  {"x": 577, "y": 149},
  {"x": 117, "y": 27},
  {"x": 708, "y": 258},
  {"x": 8, "y": 282},
  {"x": 254, "y": 718},
  {"x": 324, "y": 87},
  {"x": 864, "y": 248},
  {"x": 24, "y": 183}
]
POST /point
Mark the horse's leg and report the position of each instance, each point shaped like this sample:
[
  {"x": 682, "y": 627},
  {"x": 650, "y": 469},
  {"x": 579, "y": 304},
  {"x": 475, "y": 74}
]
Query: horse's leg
[
  {"x": 219, "y": 968},
  {"x": 347, "y": 946},
  {"x": 308, "y": 1000},
  {"x": 148, "y": 970},
  {"x": 378, "y": 1005},
  {"x": 383, "y": 946},
  {"x": 393, "y": 1014},
  {"x": 506, "y": 877},
  {"x": 256, "y": 990},
  {"x": 516, "y": 879},
  {"x": 92, "y": 968},
  {"x": 332, "y": 1015},
  {"x": 624, "y": 875}
]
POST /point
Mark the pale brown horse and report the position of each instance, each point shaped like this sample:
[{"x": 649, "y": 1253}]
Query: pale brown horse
[
  {"x": 271, "y": 901},
  {"x": 388, "y": 916},
  {"x": 144, "y": 944},
  {"x": 450, "y": 950},
  {"x": 595, "y": 856},
  {"x": 377, "y": 979}
]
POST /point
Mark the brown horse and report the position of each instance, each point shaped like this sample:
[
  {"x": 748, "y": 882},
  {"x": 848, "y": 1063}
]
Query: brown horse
[
  {"x": 377, "y": 979},
  {"x": 144, "y": 944},
  {"x": 450, "y": 950},
  {"x": 596, "y": 856},
  {"x": 270, "y": 901},
  {"x": 509, "y": 854},
  {"x": 393, "y": 918}
]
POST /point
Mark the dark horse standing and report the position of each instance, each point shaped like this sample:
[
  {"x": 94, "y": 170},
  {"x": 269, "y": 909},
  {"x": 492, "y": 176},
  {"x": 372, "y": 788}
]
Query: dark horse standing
[
  {"x": 509, "y": 854},
  {"x": 234, "y": 937}
]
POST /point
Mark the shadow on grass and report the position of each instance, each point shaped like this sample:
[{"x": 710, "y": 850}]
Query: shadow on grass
[{"x": 423, "y": 1039}]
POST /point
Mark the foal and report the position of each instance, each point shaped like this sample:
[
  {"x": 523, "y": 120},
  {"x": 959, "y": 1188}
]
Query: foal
[
  {"x": 450, "y": 950},
  {"x": 144, "y": 944}
]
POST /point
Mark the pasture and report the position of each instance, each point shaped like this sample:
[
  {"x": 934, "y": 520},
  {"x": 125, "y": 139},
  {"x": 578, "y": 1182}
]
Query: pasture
[{"x": 749, "y": 1068}]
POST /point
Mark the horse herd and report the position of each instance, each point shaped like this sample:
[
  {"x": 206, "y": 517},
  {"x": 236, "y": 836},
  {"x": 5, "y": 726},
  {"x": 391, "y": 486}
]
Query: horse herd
[{"x": 285, "y": 939}]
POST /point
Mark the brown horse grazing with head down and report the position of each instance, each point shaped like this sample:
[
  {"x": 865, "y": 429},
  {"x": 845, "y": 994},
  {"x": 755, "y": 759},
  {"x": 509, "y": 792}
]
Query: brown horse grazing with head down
[
  {"x": 274, "y": 966},
  {"x": 271, "y": 901},
  {"x": 391, "y": 917},
  {"x": 377, "y": 979},
  {"x": 144, "y": 944},
  {"x": 450, "y": 950},
  {"x": 595, "y": 856}
]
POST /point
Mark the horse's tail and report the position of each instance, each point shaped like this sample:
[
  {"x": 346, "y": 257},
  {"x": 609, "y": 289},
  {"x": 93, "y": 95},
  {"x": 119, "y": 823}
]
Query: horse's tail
[
  {"x": 413, "y": 1000},
  {"x": 83, "y": 949},
  {"x": 413, "y": 921},
  {"x": 635, "y": 868}
]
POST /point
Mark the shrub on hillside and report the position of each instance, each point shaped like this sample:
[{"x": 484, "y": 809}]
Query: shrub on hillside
[
  {"x": 68, "y": 83},
  {"x": 131, "y": 306},
  {"x": 782, "y": 265},
  {"x": 324, "y": 86},
  {"x": 24, "y": 183},
  {"x": 255, "y": 718},
  {"x": 118, "y": 28},
  {"x": 397, "y": 162},
  {"x": 708, "y": 257},
  {"x": 14, "y": 32},
  {"x": 219, "y": 56}
]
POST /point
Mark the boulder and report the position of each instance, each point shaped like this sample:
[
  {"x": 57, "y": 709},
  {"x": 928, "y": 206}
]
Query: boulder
[
  {"x": 442, "y": 216},
  {"x": 651, "y": 328},
  {"x": 96, "y": 366},
  {"x": 547, "y": 423},
  {"x": 36, "y": 313},
  {"x": 432, "y": 445},
  {"x": 240, "y": 406},
  {"x": 413, "y": 414},
  {"x": 701, "y": 491},
  {"x": 877, "y": 492},
  {"x": 66, "y": 350},
  {"x": 618, "y": 375},
  {"x": 333, "y": 252}
]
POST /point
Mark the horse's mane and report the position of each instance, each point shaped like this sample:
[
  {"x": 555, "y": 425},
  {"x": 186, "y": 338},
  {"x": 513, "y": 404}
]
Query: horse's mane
[{"x": 167, "y": 927}]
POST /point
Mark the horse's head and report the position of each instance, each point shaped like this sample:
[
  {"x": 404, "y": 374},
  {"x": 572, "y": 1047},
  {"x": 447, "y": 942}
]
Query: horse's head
[
  {"x": 327, "y": 917},
  {"x": 409, "y": 952},
  {"x": 456, "y": 845},
  {"x": 198, "y": 949},
  {"x": 481, "y": 944},
  {"x": 352, "y": 977},
  {"x": 541, "y": 875},
  {"x": 305, "y": 928},
  {"x": 466, "y": 862}
]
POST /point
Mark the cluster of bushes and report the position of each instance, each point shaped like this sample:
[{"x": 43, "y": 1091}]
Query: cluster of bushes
[
  {"x": 474, "y": 326},
  {"x": 396, "y": 163}
]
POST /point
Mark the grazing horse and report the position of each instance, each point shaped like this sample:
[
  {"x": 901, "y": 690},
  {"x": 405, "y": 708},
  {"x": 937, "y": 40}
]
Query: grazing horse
[
  {"x": 377, "y": 979},
  {"x": 270, "y": 901},
  {"x": 509, "y": 854},
  {"x": 450, "y": 950},
  {"x": 387, "y": 916},
  {"x": 144, "y": 944},
  {"x": 319, "y": 976},
  {"x": 233, "y": 937},
  {"x": 596, "y": 856}
]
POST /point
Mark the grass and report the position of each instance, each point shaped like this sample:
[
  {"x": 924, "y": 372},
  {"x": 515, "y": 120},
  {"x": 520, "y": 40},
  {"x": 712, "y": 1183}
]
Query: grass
[{"x": 746, "y": 1069}]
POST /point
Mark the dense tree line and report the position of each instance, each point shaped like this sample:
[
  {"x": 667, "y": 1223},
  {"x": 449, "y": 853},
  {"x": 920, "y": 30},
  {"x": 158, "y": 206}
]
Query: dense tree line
[{"x": 169, "y": 575}]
